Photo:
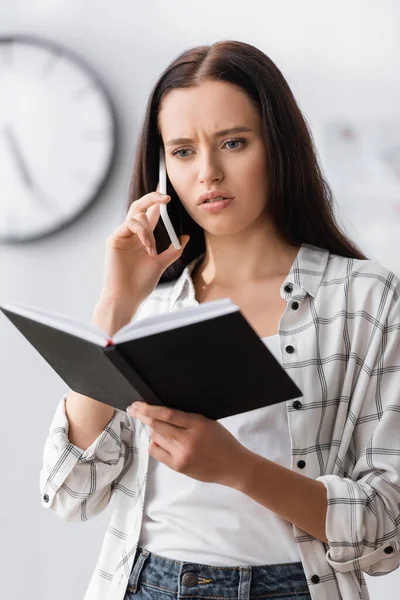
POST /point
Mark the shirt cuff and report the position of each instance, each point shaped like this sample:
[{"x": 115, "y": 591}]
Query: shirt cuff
[
  {"x": 60, "y": 456},
  {"x": 345, "y": 529}
]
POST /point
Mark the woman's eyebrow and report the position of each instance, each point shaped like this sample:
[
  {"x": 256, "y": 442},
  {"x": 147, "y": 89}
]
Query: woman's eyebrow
[{"x": 220, "y": 133}]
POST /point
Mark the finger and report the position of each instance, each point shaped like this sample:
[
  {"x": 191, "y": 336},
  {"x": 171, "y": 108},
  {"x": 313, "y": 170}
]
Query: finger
[
  {"x": 142, "y": 233},
  {"x": 169, "y": 434},
  {"x": 162, "y": 441},
  {"x": 122, "y": 231},
  {"x": 153, "y": 215},
  {"x": 146, "y": 202},
  {"x": 175, "y": 417},
  {"x": 163, "y": 431},
  {"x": 171, "y": 254},
  {"x": 143, "y": 219},
  {"x": 160, "y": 454}
]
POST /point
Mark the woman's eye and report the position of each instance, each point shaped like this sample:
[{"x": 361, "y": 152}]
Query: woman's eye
[
  {"x": 233, "y": 142},
  {"x": 178, "y": 152}
]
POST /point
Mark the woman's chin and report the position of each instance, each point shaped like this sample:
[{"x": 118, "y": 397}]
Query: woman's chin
[{"x": 224, "y": 229}]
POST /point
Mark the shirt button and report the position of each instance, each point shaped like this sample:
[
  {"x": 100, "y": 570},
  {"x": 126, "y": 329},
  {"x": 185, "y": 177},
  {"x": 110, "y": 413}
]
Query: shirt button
[
  {"x": 315, "y": 579},
  {"x": 289, "y": 349},
  {"x": 46, "y": 498},
  {"x": 288, "y": 288},
  {"x": 388, "y": 550},
  {"x": 301, "y": 464},
  {"x": 189, "y": 579},
  {"x": 297, "y": 404},
  {"x": 295, "y": 305}
]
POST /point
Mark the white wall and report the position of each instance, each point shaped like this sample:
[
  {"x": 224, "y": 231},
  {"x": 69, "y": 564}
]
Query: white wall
[{"x": 341, "y": 60}]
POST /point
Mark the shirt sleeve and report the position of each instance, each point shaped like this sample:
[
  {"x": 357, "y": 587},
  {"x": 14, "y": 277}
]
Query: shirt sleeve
[
  {"x": 78, "y": 485},
  {"x": 363, "y": 511},
  {"x": 75, "y": 484}
]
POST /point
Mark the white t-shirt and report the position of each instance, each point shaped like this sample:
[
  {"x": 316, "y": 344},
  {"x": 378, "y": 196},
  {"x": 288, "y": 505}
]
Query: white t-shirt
[{"x": 207, "y": 523}]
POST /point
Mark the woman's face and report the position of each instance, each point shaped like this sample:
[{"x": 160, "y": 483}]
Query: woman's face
[{"x": 234, "y": 163}]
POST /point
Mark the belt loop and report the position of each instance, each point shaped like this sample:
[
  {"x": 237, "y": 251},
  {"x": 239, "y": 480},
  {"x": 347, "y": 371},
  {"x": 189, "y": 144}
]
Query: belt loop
[
  {"x": 136, "y": 571},
  {"x": 244, "y": 583}
]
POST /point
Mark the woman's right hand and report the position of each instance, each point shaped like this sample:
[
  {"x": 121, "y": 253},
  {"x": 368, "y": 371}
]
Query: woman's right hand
[{"x": 131, "y": 270}]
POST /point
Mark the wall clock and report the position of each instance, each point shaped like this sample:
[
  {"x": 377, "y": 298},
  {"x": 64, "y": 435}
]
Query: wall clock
[{"x": 57, "y": 137}]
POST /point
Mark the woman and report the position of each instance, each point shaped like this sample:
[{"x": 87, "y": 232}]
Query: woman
[{"x": 296, "y": 500}]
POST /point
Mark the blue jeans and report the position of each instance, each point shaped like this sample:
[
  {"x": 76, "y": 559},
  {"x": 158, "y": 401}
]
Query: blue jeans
[{"x": 155, "y": 577}]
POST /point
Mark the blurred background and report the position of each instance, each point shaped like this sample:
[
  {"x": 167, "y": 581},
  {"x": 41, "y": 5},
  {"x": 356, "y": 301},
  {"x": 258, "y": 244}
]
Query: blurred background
[{"x": 71, "y": 103}]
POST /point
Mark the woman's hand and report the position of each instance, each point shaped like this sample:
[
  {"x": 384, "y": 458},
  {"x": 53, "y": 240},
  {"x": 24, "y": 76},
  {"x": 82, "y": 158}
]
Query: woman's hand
[
  {"x": 192, "y": 444},
  {"x": 132, "y": 266}
]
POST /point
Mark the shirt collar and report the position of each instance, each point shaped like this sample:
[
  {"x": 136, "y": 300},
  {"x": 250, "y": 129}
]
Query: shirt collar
[
  {"x": 305, "y": 275},
  {"x": 307, "y": 270},
  {"x": 185, "y": 282}
]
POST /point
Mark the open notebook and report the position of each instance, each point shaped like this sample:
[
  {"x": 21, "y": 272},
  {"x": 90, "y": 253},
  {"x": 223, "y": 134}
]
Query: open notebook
[{"x": 204, "y": 359}]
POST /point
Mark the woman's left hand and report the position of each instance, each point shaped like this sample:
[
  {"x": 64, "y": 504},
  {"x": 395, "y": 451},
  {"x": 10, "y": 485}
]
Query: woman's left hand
[{"x": 193, "y": 445}]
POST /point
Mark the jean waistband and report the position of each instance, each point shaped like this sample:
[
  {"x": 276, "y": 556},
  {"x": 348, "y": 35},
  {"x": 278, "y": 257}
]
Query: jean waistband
[{"x": 193, "y": 580}]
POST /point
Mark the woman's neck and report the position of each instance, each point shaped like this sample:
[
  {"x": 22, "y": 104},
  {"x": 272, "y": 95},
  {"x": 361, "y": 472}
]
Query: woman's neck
[{"x": 229, "y": 265}]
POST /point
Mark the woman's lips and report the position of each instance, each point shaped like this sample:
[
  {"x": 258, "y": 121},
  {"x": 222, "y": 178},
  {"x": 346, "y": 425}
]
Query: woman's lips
[{"x": 217, "y": 205}]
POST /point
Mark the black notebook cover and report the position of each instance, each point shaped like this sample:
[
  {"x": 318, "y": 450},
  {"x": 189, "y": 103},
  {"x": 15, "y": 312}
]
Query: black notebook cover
[{"x": 217, "y": 367}]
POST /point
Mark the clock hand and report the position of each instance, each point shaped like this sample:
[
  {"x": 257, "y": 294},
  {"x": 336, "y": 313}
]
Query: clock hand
[
  {"x": 16, "y": 151},
  {"x": 41, "y": 197},
  {"x": 24, "y": 170}
]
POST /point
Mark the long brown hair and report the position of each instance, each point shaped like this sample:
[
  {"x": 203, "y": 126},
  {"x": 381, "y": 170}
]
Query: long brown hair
[{"x": 300, "y": 201}]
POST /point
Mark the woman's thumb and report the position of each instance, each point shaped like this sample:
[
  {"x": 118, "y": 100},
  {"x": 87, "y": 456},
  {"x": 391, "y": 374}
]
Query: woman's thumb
[
  {"x": 184, "y": 240},
  {"x": 172, "y": 254}
]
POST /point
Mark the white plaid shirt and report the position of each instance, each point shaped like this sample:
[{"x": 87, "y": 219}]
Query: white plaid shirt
[{"x": 346, "y": 360}]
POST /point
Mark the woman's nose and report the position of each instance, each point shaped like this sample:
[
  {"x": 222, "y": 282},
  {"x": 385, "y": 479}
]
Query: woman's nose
[{"x": 209, "y": 172}]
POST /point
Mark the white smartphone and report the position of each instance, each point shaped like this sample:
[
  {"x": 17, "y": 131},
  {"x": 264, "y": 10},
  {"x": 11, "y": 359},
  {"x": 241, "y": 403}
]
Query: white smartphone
[{"x": 163, "y": 207}]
